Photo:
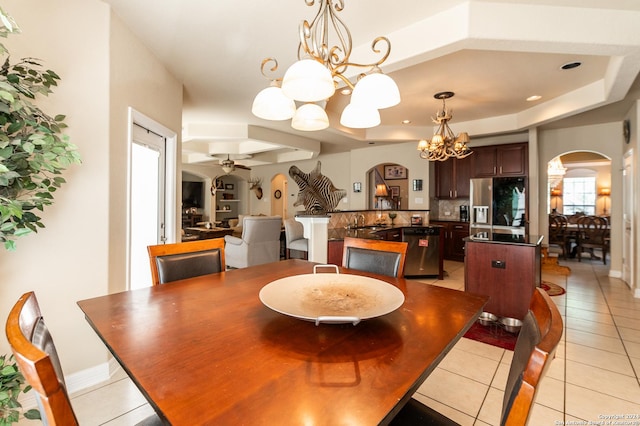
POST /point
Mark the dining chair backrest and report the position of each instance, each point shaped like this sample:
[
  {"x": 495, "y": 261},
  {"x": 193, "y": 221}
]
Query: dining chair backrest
[
  {"x": 37, "y": 359},
  {"x": 558, "y": 234},
  {"x": 535, "y": 348},
  {"x": 375, "y": 256},
  {"x": 177, "y": 261},
  {"x": 593, "y": 228},
  {"x": 593, "y": 232}
]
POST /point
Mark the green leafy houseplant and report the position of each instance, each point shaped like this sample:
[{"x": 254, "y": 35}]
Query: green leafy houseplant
[
  {"x": 33, "y": 149},
  {"x": 11, "y": 384}
]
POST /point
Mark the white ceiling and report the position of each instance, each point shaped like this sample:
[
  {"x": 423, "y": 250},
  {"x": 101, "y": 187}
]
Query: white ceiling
[{"x": 492, "y": 54}]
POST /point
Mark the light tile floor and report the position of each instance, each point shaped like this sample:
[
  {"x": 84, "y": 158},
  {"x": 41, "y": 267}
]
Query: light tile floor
[{"x": 595, "y": 373}]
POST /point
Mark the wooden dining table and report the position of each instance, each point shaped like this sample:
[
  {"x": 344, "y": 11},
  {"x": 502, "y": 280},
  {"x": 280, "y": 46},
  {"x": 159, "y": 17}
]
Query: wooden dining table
[{"x": 206, "y": 350}]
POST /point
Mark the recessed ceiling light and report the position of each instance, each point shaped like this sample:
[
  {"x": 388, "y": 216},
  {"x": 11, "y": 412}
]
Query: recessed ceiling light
[
  {"x": 534, "y": 98},
  {"x": 346, "y": 91},
  {"x": 406, "y": 121},
  {"x": 571, "y": 65}
]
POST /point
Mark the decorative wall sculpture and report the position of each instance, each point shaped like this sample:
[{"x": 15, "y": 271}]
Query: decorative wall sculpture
[{"x": 317, "y": 193}]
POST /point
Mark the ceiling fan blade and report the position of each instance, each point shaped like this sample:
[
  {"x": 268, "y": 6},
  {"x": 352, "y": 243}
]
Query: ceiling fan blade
[{"x": 240, "y": 166}]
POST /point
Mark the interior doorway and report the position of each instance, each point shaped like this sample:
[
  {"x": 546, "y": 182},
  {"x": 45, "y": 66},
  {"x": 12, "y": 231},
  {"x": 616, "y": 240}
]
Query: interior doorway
[{"x": 279, "y": 195}]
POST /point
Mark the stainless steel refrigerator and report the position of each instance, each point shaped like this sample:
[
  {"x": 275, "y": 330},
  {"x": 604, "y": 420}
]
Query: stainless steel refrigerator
[{"x": 499, "y": 205}]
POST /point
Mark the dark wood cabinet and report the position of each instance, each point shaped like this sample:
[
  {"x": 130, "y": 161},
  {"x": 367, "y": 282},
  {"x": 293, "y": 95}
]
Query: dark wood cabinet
[
  {"x": 394, "y": 234},
  {"x": 507, "y": 273},
  {"x": 453, "y": 235},
  {"x": 452, "y": 178},
  {"x": 334, "y": 252},
  {"x": 499, "y": 160}
]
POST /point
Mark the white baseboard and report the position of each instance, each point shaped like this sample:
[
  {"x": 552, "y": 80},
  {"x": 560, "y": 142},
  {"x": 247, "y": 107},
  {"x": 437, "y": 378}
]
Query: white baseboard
[
  {"x": 615, "y": 273},
  {"x": 636, "y": 293},
  {"x": 79, "y": 381}
]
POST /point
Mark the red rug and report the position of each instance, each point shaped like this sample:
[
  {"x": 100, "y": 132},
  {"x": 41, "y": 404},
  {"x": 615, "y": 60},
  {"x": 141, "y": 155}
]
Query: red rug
[
  {"x": 492, "y": 334},
  {"x": 552, "y": 289}
]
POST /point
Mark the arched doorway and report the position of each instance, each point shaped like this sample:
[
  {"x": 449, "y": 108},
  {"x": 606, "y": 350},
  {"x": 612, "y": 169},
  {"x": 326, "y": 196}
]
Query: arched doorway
[
  {"x": 394, "y": 193},
  {"x": 579, "y": 182}
]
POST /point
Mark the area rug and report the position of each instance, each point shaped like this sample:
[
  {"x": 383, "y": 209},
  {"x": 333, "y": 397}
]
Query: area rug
[
  {"x": 552, "y": 289},
  {"x": 492, "y": 334}
]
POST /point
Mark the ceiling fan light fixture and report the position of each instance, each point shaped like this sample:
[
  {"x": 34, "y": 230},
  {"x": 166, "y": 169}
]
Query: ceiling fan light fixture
[
  {"x": 377, "y": 90},
  {"x": 310, "y": 117},
  {"x": 359, "y": 116},
  {"x": 272, "y": 104}
]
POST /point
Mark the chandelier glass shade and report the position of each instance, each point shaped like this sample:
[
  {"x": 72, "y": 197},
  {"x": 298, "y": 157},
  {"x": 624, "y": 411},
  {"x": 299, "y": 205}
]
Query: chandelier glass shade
[
  {"x": 320, "y": 70},
  {"x": 358, "y": 116},
  {"x": 310, "y": 117},
  {"x": 444, "y": 144},
  {"x": 272, "y": 104}
]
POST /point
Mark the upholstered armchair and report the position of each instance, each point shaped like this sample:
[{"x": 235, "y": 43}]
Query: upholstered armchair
[{"x": 259, "y": 243}]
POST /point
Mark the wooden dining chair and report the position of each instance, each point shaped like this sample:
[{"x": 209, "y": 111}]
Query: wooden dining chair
[
  {"x": 593, "y": 232},
  {"x": 558, "y": 233},
  {"x": 177, "y": 261},
  {"x": 38, "y": 361},
  {"x": 535, "y": 348},
  {"x": 375, "y": 256}
]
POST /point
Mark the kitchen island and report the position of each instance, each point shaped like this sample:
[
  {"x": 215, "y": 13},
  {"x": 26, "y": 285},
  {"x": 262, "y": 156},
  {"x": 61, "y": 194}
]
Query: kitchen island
[{"x": 505, "y": 267}]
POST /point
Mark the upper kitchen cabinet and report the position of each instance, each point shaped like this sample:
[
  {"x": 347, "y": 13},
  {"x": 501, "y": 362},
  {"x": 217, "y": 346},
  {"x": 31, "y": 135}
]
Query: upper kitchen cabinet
[
  {"x": 452, "y": 178},
  {"x": 499, "y": 160}
]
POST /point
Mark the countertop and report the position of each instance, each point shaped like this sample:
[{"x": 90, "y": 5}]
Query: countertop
[
  {"x": 367, "y": 232},
  {"x": 497, "y": 238},
  {"x": 448, "y": 220}
]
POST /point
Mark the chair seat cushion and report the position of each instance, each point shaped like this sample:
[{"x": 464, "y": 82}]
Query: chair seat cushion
[{"x": 301, "y": 245}]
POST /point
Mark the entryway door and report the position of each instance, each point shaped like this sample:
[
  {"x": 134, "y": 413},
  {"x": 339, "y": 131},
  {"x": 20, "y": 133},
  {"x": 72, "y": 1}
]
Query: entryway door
[{"x": 152, "y": 197}]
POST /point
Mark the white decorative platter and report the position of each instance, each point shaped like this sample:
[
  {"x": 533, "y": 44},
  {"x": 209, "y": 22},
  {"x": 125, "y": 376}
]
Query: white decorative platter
[{"x": 331, "y": 298}]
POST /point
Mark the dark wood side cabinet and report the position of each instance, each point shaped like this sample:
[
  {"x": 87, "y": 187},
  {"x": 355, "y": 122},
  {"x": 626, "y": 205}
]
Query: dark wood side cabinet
[
  {"x": 500, "y": 160},
  {"x": 334, "y": 252},
  {"x": 507, "y": 273},
  {"x": 452, "y": 178},
  {"x": 453, "y": 236}
]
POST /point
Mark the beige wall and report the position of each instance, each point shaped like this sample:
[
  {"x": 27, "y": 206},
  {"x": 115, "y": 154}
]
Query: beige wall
[
  {"x": 81, "y": 252},
  {"x": 137, "y": 80}
]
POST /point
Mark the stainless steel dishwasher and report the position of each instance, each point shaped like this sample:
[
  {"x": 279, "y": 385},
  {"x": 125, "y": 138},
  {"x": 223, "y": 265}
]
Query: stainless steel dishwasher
[{"x": 423, "y": 253}]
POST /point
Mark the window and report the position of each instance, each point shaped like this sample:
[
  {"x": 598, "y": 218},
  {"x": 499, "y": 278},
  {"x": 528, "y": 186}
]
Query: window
[{"x": 579, "y": 195}]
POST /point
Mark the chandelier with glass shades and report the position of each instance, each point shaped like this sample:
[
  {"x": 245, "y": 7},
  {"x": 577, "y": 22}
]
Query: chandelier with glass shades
[
  {"x": 320, "y": 69},
  {"x": 444, "y": 145}
]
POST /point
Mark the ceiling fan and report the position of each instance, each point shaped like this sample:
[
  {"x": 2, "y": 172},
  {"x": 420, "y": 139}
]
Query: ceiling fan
[{"x": 229, "y": 165}]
